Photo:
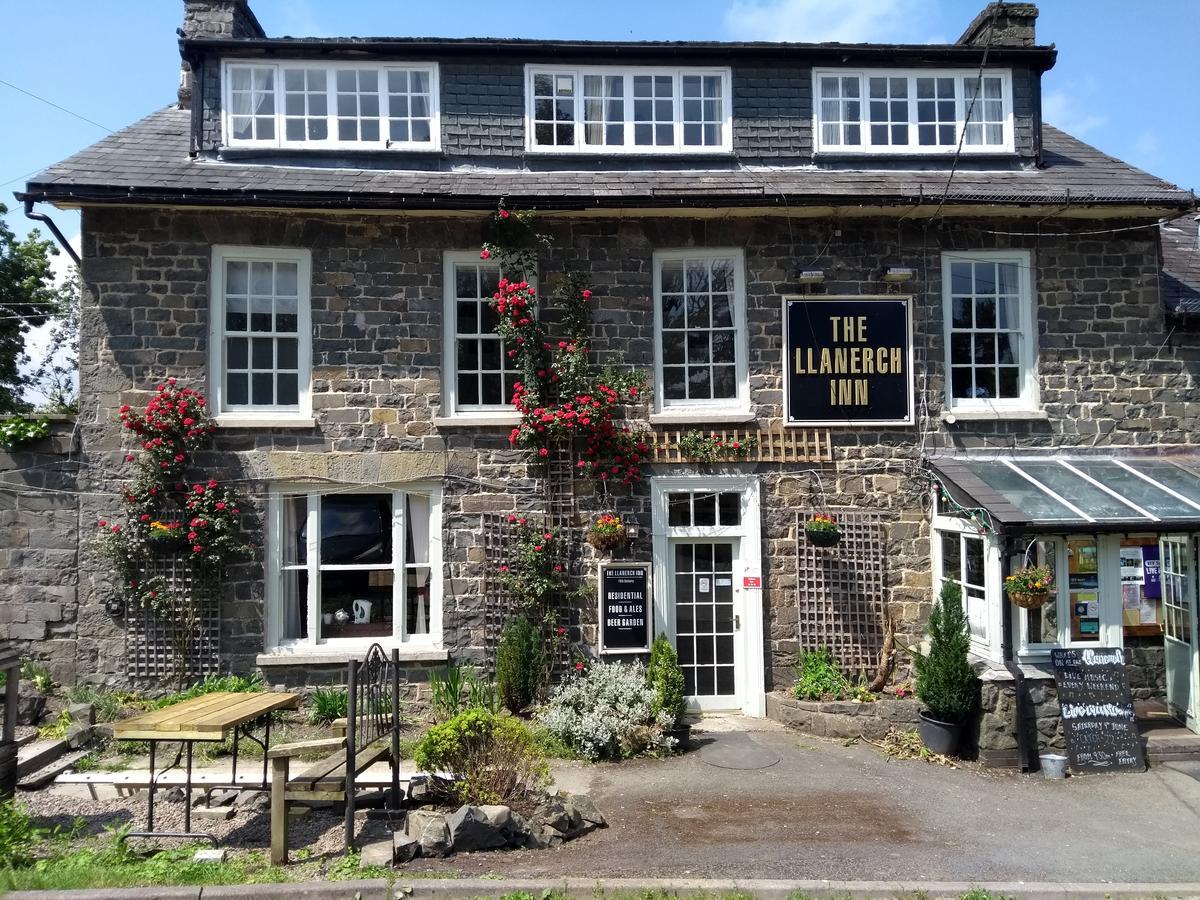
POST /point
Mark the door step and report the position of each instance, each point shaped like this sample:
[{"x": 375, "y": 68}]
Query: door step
[
  {"x": 48, "y": 773},
  {"x": 37, "y": 755}
]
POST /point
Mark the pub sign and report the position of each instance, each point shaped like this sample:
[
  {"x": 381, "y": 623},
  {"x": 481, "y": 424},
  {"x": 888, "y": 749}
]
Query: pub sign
[
  {"x": 624, "y": 608},
  {"x": 848, "y": 360}
]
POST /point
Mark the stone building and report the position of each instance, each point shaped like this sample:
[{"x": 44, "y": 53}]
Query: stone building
[{"x": 877, "y": 261}]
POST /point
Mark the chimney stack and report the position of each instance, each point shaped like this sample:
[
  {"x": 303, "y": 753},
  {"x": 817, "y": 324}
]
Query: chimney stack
[
  {"x": 214, "y": 19},
  {"x": 1003, "y": 25}
]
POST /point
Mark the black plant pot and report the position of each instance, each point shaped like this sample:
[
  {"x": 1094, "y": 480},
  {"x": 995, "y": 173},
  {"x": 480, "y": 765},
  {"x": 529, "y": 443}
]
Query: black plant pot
[
  {"x": 824, "y": 538},
  {"x": 938, "y": 736},
  {"x": 682, "y": 735}
]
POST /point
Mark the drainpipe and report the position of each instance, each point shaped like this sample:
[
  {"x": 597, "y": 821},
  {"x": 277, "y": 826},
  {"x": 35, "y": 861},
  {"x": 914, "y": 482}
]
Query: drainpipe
[
  {"x": 49, "y": 223},
  {"x": 1026, "y": 758}
]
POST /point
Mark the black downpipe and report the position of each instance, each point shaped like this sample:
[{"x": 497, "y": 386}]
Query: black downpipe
[
  {"x": 49, "y": 223},
  {"x": 1027, "y": 760}
]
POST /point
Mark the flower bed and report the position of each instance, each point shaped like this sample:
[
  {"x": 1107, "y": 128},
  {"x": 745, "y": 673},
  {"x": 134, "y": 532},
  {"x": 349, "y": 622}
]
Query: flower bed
[{"x": 842, "y": 718}]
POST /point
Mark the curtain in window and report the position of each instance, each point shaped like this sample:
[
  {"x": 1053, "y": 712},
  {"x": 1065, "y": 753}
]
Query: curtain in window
[{"x": 416, "y": 515}]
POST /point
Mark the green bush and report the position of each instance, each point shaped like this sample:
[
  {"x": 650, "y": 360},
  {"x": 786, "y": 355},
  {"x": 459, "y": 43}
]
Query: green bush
[
  {"x": 445, "y": 691},
  {"x": 946, "y": 683},
  {"x": 18, "y": 836},
  {"x": 237, "y": 684},
  {"x": 818, "y": 677},
  {"x": 325, "y": 705},
  {"x": 666, "y": 678},
  {"x": 519, "y": 663},
  {"x": 491, "y": 758}
]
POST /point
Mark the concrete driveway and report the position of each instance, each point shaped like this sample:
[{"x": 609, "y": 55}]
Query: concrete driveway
[{"x": 825, "y": 811}]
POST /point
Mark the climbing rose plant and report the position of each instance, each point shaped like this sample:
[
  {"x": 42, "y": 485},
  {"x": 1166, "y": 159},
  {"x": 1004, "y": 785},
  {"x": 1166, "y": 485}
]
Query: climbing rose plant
[
  {"x": 561, "y": 396},
  {"x": 164, "y": 512}
]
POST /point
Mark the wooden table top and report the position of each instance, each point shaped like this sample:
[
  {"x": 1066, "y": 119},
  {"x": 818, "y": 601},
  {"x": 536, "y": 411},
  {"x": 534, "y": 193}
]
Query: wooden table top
[{"x": 206, "y": 718}]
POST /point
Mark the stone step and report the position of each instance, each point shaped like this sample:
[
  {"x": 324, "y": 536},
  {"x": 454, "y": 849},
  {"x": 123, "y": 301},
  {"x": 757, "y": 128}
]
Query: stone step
[
  {"x": 47, "y": 774},
  {"x": 23, "y": 739},
  {"x": 38, "y": 754}
]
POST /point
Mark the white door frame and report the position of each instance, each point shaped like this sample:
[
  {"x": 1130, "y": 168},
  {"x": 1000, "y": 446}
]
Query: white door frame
[
  {"x": 1192, "y": 600},
  {"x": 750, "y": 639}
]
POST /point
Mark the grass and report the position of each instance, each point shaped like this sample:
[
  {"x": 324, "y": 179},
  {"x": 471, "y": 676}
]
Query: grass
[
  {"x": 108, "y": 704},
  {"x": 238, "y": 684}
]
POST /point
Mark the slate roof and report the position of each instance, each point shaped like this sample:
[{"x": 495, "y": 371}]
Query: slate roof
[
  {"x": 149, "y": 162},
  {"x": 1181, "y": 265}
]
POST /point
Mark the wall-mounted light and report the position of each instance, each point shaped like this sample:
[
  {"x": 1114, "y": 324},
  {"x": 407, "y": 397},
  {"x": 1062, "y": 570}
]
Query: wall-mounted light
[
  {"x": 897, "y": 274},
  {"x": 632, "y": 531},
  {"x": 811, "y": 276}
]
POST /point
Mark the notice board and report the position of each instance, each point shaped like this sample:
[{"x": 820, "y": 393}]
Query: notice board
[
  {"x": 848, "y": 360},
  {"x": 1097, "y": 710},
  {"x": 624, "y": 608}
]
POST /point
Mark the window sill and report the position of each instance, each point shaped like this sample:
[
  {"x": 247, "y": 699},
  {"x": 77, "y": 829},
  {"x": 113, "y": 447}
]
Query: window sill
[
  {"x": 672, "y": 153},
  {"x": 251, "y": 151},
  {"x": 701, "y": 416},
  {"x": 266, "y": 420},
  {"x": 320, "y": 656},
  {"x": 994, "y": 415},
  {"x": 477, "y": 420}
]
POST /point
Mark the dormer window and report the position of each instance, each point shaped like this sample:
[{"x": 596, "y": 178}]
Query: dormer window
[
  {"x": 913, "y": 111},
  {"x": 606, "y": 109},
  {"x": 321, "y": 105}
]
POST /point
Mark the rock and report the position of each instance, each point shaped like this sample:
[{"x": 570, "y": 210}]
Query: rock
[
  {"x": 174, "y": 795},
  {"x": 429, "y": 829},
  {"x": 31, "y": 705},
  {"x": 552, "y": 812},
  {"x": 211, "y": 855},
  {"x": 82, "y": 713},
  {"x": 295, "y": 811},
  {"x": 78, "y": 735},
  {"x": 517, "y": 831},
  {"x": 214, "y": 814},
  {"x": 103, "y": 731},
  {"x": 418, "y": 791},
  {"x": 404, "y": 849},
  {"x": 551, "y": 837},
  {"x": 575, "y": 824},
  {"x": 498, "y": 816},
  {"x": 253, "y": 800},
  {"x": 378, "y": 853},
  {"x": 587, "y": 810},
  {"x": 222, "y": 798},
  {"x": 470, "y": 830}
]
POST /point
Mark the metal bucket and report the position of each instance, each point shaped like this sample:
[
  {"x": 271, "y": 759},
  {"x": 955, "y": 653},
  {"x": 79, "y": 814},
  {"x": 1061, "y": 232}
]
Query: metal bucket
[{"x": 1054, "y": 765}]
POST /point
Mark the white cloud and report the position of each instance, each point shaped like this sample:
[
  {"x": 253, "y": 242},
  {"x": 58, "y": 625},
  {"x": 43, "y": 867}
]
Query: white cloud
[
  {"x": 845, "y": 21},
  {"x": 1146, "y": 148},
  {"x": 1068, "y": 111}
]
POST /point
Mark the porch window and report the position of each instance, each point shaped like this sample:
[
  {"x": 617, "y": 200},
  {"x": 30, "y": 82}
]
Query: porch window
[
  {"x": 963, "y": 562},
  {"x": 355, "y": 565},
  {"x": 259, "y": 346},
  {"x": 700, "y": 327}
]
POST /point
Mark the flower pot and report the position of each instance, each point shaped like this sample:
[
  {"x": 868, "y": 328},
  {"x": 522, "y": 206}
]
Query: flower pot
[
  {"x": 824, "y": 538},
  {"x": 938, "y": 736},
  {"x": 683, "y": 736},
  {"x": 1029, "y": 599},
  {"x": 1054, "y": 765},
  {"x": 607, "y": 542}
]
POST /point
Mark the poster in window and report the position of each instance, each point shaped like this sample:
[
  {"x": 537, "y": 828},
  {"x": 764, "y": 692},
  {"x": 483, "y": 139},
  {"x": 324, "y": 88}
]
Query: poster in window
[{"x": 848, "y": 360}]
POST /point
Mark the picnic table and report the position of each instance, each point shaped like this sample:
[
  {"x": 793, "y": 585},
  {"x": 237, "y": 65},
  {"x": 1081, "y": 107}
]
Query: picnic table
[{"x": 210, "y": 717}]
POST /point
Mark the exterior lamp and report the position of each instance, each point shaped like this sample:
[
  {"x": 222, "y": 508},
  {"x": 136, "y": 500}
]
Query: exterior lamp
[
  {"x": 897, "y": 274},
  {"x": 811, "y": 276}
]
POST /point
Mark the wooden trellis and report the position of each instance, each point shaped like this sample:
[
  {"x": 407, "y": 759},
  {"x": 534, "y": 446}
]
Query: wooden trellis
[
  {"x": 160, "y": 644},
  {"x": 778, "y": 445},
  {"x": 840, "y": 589}
]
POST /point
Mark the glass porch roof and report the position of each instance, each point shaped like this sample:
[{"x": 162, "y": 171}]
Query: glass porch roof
[{"x": 1150, "y": 494}]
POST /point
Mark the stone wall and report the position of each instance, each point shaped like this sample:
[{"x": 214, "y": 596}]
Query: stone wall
[
  {"x": 1146, "y": 663},
  {"x": 1107, "y": 375},
  {"x": 39, "y": 536},
  {"x": 996, "y": 738},
  {"x": 843, "y": 718}
]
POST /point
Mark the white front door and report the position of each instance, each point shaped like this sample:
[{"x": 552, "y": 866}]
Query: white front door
[
  {"x": 708, "y": 587},
  {"x": 1178, "y": 577}
]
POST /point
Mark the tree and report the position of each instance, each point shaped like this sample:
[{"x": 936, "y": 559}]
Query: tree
[
  {"x": 51, "y": 380},
  {"x": 28, "y": 298}
]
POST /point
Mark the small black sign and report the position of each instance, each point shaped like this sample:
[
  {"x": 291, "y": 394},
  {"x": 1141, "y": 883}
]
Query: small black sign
[
  {"x": 624, "y": 608},
  {"x": 848, "y": 361},
  {"x": 1097, "y": 710}
]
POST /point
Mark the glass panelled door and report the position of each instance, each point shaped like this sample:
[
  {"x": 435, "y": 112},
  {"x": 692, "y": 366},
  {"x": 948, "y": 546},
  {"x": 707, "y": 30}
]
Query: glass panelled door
[
  {"x": 1178, "y": 577},
  {"x": 707, "y": 619}
]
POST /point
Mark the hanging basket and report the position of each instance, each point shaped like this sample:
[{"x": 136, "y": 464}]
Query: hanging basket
[
  {"x": 823, "y": 538},
  {"x": 1029, "y": 599},
  {"x": 607, "y": 542}
]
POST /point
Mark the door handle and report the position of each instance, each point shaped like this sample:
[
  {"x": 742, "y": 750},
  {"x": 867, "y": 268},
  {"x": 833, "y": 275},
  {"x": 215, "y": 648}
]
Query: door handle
[{"x": 737, "y": 623}]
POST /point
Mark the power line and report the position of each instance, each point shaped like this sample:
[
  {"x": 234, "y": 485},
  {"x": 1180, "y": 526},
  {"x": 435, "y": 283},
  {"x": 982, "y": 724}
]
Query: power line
[{"x": 56, "y": 106}]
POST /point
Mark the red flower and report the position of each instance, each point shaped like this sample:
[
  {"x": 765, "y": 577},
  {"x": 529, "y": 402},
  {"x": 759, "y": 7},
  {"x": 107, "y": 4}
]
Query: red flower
[
  {"x": 587, "y": 295},
  {"x": 561, "y": 630},
  {"x": 537, "y": 549},
  {"x": 548, "y": 536},
  {"x": 543, "y": 452},
  {"x": 511, "y": 518},
  {"x": 212, "y": 482},
  {"x": 197, "y": 549},
  {"x": 199, "y": 489},
  {"x": 144, "y": 517},
  {"x": 504, "y": 568},
  {"x": 221, "y": 504},
  {"x": 485, "y": 253},
  {"x": 504, "y": 213},
  {"x": 103, "y": 523},
  {"x": 578, "y": 667}
]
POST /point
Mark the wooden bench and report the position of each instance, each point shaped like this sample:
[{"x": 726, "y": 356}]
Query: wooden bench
[{"x": 370, "y": 733}]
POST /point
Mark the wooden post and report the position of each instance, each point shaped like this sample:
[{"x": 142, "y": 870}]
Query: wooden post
[{"x": 279, "y": 813}]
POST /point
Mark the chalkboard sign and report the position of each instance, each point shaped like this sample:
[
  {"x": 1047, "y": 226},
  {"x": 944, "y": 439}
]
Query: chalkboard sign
[
  {"x": 624, "y": 608},
  {"x": 848, "y": 360},
  {"x": 1097, "y": 710}
]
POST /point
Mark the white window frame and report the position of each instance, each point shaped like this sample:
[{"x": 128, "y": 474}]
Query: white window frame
[
  {"x": 273, "y": 630},
  {"x": 452, "y": 411},
  {"x": 628, "y": 147},
  {"x": 738, "y": 404},
  {"x": 434, "y": 144},
  {"x": 1030, "y": 398},
  {"x": 988, "y": 645},
  {"x": 912, "y": 148},
  {"x": 249, "y": 416}
]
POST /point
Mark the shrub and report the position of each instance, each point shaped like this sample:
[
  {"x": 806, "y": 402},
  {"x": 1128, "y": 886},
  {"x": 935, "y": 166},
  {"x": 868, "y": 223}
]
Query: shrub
[
  {"x": 108, "y": 704},
  {"x": 666, "y": 678},
  {"x": 519, "y": 662},
  {"x": 327, "y": 704},
  {"x": 946, "y": 683},
  {"x": 18, "y": 836},
  {"x": 818, "y": 677},
  {"x": 446, "y": 692},
  {"x": 38, "y": 676},
  {"x": 608, "y": 712},
  {"x": 492, "y": 758},
  {"x": 237, "y": 684}
]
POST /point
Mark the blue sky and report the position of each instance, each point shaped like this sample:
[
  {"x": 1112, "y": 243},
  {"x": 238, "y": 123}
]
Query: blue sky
[{"x": 1121, "y": 82}]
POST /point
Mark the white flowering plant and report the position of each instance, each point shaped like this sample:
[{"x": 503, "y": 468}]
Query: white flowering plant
[{"x": 607, "y": 711}]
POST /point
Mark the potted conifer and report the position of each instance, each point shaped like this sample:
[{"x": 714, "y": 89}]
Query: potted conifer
[
  {"x": 946, "y": 683},
  {"x": 666, "y": 678}
]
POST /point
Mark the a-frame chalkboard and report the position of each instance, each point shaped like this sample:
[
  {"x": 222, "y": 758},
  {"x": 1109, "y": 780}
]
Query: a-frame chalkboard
[{"x": 1097, "y": 710}]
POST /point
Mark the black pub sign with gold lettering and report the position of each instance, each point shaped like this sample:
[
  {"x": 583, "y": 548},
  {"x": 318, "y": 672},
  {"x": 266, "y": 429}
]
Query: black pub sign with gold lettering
[{"x": 848, "y": 360}]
